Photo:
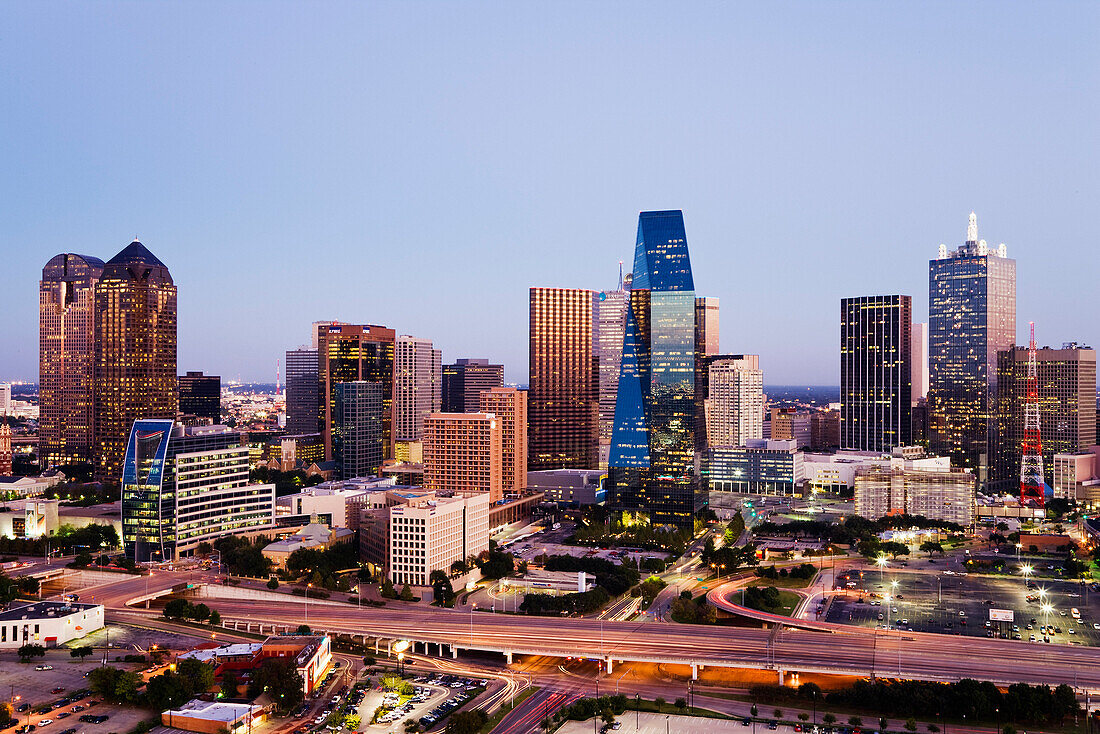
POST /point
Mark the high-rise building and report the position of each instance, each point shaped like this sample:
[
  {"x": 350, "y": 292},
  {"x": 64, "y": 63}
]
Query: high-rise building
[
  {"x": 5, "y": 399},
  {"x": 759, "y": 466},
  {"x": 564, "y": 392},
  {"x": 791, "y": 424},
  {"x": 734, "y": 402},
  {"x": 66, "y": 357},
  {"x": 875, "y": 374},
  {"x": 201, "y": 396},
  {"x": 706, "y": 325},
  {"x": 972, "y": 316},
  {"x": 357, "y": 429},
  {"x": 429, "y": 533},
  {"x": 651, "y": 469},
  {"x": 417, "y": 386},
  {"x": 5, "y": 449},
  {"x": 610, "y": 325},
  {"x": 354, "y": 353},
  {"x": 1066, "y": 389},
  {"x": 509, "y": 405},
  {"x": 918, "y": 362},
  {"x": 135, "y": 351},
  {"x": 946, "y": 495},
  {"x": 465, "y": 380},
  {"x": 182, "y": 486},
  {"x": 303, "y": 404},
  {"x": 462, "y": 453}
]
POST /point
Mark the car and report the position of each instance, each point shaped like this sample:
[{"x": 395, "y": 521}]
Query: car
[
  {"x": 64, "y": 715},
  {"x": 746, "y": 721},
  {"x": 68, "y": 731},
  {"x": 25, "y": 729},
  {"x": 43, "y": 667},
  {"x": 77, "y": 709},
  {"x": 22, "y": 707},
  {"x": 1031, "y": 638},
  {"x": 45, "y": 722},
  {"x": 773, "y": 724}
]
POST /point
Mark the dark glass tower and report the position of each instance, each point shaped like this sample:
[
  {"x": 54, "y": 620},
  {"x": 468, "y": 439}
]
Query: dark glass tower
[
  {"x": 357, "y": 429},
  {"x": 652, "y": 461},
  {"x": 201, "y": 395},
  {"x": 354, "y": 353},
  {"x": 875, "y": 375},
  {"x": 465, "y": 380},
  {"x": 303, "y": 404},
  {"x": 971, "y": 316}
]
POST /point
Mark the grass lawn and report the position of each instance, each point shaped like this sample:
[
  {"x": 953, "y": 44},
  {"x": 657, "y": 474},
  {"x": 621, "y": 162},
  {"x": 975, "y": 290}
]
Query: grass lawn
[
  {"x": 783, "y": 582},
  {"x": 506, "y": 708},
  {"x": 788, "y": 600}
]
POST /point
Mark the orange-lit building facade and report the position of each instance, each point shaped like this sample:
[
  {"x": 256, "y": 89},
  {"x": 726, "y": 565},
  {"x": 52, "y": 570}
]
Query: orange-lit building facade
[
  {"x": 66, "y": 349},
  {"x": 354, "y": 353},
  {"x": 509, "y": 405},
  {"x": 462, "y": 453}
]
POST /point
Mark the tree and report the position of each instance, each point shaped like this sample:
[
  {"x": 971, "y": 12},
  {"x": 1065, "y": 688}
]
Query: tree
[
  {"x": 280, "y": 679},
  {"x": 829, "y": 719},
  {"x": 407, "y": 593},
  {"x": 931, "y": 546},
  {"x": 494, "y": 564},
  {"x": 303, "y": 629},
  {"x": 112, "y": 684},
  {"x": 215, "y": 618},
  {"x": 753, "y": 711},
  {"x": 855, "y": 721},
  {"x": 177, "y": 609},
  {"x": 204, "y": 549},
  {"x": 442, "y": 591},
  {"x": 778, "y": 713},
  {"x": 81, "y": 652},
  {"x": 467, "y": 722},
  {"x": 933, "y": 728},
  {"x": 911, "y": 724},
  {"x": 31, "y": 650},
  {"x": 882, "y": 724},
  {"x": 166, "y": 691},
  {"x": 229, "y": 684},
  {"x": 608, "y": 716},
  {"x": 200, "y": 612},
  {"x": 660, "y": 703},
  {"x": 386, "y": 590},
  {"x": 894, "y": 549},
  {"x": 803, "y": 716},
  {"x": 273, "y": 583}
]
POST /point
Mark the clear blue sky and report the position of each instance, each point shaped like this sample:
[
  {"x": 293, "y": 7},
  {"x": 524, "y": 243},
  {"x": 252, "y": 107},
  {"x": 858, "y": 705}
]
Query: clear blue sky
[{"x": 420, "y": 165}]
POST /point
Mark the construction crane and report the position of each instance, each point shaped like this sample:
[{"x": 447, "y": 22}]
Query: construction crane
[{"x": 1031, "y": 450}]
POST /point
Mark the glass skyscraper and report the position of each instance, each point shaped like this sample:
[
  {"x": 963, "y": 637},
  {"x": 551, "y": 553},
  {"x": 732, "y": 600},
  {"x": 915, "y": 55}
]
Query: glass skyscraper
[
  {"x": 651, "y": 467},
  {"x": 972, "y": 316}
]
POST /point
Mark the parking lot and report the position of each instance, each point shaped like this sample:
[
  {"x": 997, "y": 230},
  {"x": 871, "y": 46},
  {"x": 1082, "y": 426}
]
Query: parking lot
[
  {"x": 433, "y": 699},
  {"x": 949, "y": 602}
]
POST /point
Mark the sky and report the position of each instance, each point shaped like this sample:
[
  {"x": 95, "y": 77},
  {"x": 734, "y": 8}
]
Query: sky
[{"x": 421, "y": 165}]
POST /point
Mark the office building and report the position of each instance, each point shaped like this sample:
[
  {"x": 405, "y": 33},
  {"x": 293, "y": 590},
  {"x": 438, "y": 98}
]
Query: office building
[
  {"x": 610, "y": 326},
  {"x": 706, "y": 326},
  {"x": 135, "y": 351},
  {"x": 5, "y": 449},
  {"x": 791, "y": 424},
  {"x": 947, "y": 495},
  {"x": 760, "y": 466},
  {"x": 429, "y": 533},
  {"x": 1067, "y": 408},
  {"x": 5, "y": 400},
  {"x": 417, "y": 386},
  {"x": 734, "y": 403},
  {"x": 824, "y": 429},
  {"x": 66, "y": 358},
  {"x": 918, "y": 362},
  {"x": 201, "y": 396},
  {"x": 972, "y": 316},
  {"x": 303, "y": 404},
  {"x": 357, "y": 434},
  {"x": 509, "y": 405},
  {"x": 462, "y": 453},
  {"x": 875, "y": 372},
  {"x": 353, "y": 353},
  {"x": 48, "y": 623},
  {"x": 1077, "y": 477},
  {"x": 182, "y": 486},
  {"x": 570, "y": 487},
  {"x": 564, "y": 391},
  {"x": 465, "y": 380},
  {"x": 651, "y": 467}
]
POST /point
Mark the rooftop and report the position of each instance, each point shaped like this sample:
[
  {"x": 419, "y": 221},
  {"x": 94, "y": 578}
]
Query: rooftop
[
  {"x": 44, "y": 609},
  {"x": 215, "y": 711}
]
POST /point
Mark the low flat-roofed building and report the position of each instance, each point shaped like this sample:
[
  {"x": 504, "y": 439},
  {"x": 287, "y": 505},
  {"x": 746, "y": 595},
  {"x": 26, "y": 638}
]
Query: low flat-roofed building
[
  {"x": 315, "y": 535},
  {"x": 571, "y": 487},
  {"x": 214, "y": 717},
  {"x": 761, "y": 466},
  {"x": 312, "y": 656},
  {"x": 540, "y": 581},
  {"x": 11, "y": 487},
  {"x": 48, "y": 623},
  {"x": 28, "y": 518}
]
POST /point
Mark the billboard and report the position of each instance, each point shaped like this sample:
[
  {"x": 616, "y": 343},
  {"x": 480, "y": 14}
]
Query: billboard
[{"x": 1000, "y": 615}]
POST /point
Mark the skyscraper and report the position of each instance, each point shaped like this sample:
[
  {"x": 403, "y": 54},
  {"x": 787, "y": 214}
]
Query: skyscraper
[
  {"x": 706, "y": 325},
  {"x": 465, "y": 380},
  {"x": 5, "y": 399},
  {"x": 5, "y": 448},
  {"x": 610, "y": 326},
  {"x": 352, "y": 353},
  {"x": 564, "y": 392},
  {"x": 303, "y": 406},
  {"x": 918, "y": 362},
  {"x": 875, "y": 372},
  {"x": 417, "y": 386},
  {"x": 66, "y": 357},
  {"x": 651, "y": 469},
  {"x": 201, "y": 396},
  {"x": 734, "y": 404},
  {"x": 509, "y": 405},
  {"x": 135, "y": 351},
  {"x": 357, "y": 442},
  {"x": 462, "y": 453},
  {"x": 1066, "y": 389},
  {"x": 972, "y": 316}
]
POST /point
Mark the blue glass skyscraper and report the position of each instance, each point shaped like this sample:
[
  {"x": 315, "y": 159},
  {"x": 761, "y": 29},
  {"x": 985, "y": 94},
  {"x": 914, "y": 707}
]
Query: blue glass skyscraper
[{"x": 651, "y": 467}]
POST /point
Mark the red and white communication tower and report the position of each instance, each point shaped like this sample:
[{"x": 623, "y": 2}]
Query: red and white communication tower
[{"x": 1031, "y": 450}]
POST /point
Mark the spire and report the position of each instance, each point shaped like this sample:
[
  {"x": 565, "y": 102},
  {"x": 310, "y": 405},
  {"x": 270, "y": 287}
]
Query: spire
[
  {"x": 972, "y": 229},
  {"x": 620, "y": 275}
]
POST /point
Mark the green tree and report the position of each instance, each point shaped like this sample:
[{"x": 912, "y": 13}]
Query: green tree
[
  {"x": 229, "y": 684},
  {"x": 931, "y": 546},
  {"x": 442, "y": 591},
  {"x": 608, "y": 716},
  {"x": 407, "y": 593},
  {"x": 660, "y": 703},
  {"x": 166, "y": 691},
  {"x": 467, "y": 722},
  {"x": 803, "y": 716},
  {"x": 303, "y": 629},
  {"x": 855, "y": 721},
  {"x": 386, "y": 590},
  {"x": 200, "y": 612},
  {"x": 81, "y": 652},
  {"x": 280, "y": 679},
  {"x": 882, "y": 722},
  {"x": 273, "y": 583},
  {"x": 177, "y": 609},
  {"x": 911, "y": 724},
  {"x": 680, "y": 703},
  {"x": 215, "y": 618},
  {"x": 31, "y": 650},
  {"x": 829, "y": 719}
]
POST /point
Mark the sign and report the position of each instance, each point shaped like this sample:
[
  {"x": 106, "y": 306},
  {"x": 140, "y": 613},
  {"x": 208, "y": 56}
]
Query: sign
[{"x": 1000, "y": 615}]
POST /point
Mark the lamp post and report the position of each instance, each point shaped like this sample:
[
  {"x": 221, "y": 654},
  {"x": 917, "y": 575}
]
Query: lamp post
[{"x": 881, "y": 563}]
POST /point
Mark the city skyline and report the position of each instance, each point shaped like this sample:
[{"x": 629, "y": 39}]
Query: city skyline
[{"x": 818, "y": 194}]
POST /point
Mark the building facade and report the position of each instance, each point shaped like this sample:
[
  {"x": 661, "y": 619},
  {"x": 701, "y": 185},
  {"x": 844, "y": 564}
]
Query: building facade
[
  {"x": 465, "y": 380},
  {"x": 357, "y": 433},
  {"x": 734, "y": 403},
  {"x": 610, "y": 326},
  {"x": 66, "y": 359},
  {"x": 1067, "y": 408},
  {"x": 938, "y": 495},
  {"x": 185, "y": 485},
  {"x": 762, "y": 466},
  {"x": 417, "y": 386},
  {"x": 509, "y": 405},
  {"x": 354, "y": 353},
  {"x": 303, "y": 404},
  {"x": 462, "y": 453},
  {"x": 201, "y": 396},
  {"x": 564, "y": 392},
  {"x": 5, "y": 401},
  {"x": 875, "y": 372},
  {"x": 135, "y": 351},
  {"x": 430, "y": 533},
  {"x": 651, "y": 467},
  {"x": 972, "y": 316},
  {"x": 918, "y": 362}
]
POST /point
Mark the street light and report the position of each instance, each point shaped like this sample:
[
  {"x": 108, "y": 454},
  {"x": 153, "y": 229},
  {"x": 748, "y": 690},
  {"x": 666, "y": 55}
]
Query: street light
[{"x": 881, "y": 563}]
